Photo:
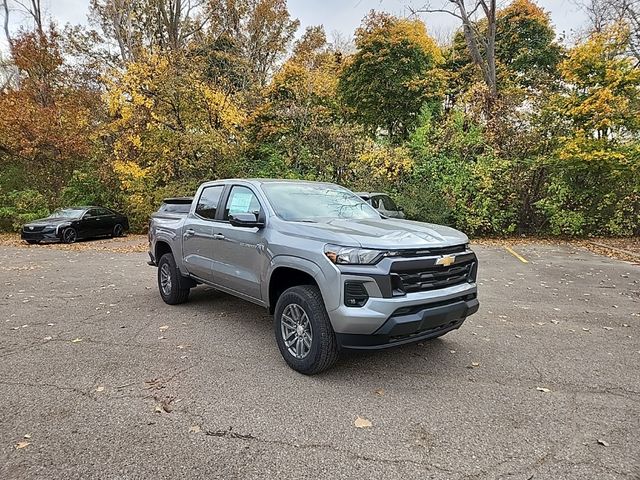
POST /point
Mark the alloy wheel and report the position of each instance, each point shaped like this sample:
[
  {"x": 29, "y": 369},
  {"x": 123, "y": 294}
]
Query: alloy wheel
[
  {"x": 165, "y": 279},
  {"x": 69, "y": 235},
  {"x": 296, "y": 331}
]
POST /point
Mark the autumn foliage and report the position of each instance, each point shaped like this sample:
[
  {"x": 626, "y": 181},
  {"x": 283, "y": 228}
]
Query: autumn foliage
[{"x": 161, "y": 98}]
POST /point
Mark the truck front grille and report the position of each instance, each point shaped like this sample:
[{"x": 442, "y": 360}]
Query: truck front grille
[{"x": 432, "y": 278}]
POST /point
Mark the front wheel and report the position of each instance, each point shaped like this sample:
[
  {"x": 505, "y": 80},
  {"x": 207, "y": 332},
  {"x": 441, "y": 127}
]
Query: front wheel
[
  {"x": 303, "y": 330},
  {"x": 174, "y": 288},
  {"x": 69, "y": 235}
]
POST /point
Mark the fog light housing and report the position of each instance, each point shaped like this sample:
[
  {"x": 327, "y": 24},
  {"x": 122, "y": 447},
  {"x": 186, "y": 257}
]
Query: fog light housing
[{"x": 355, "y": 295}]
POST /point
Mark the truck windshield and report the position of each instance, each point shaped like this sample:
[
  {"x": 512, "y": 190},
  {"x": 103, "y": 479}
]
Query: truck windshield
[{"x": 310, "y": 201}]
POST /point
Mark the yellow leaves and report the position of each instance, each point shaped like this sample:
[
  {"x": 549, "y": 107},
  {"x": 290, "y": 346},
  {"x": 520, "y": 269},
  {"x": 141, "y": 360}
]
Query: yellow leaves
[
  {"x": 604, "y": 97},
  {"x": 130, "y": 174},
  {"x": 221, "y": 106},
  {"x": 386, "y": 162}
]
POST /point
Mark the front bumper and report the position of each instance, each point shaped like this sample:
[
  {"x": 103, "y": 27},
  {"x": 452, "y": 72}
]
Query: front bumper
[
  {"x": 415, "y": 323},
  {"x": 39, "y": 236}
]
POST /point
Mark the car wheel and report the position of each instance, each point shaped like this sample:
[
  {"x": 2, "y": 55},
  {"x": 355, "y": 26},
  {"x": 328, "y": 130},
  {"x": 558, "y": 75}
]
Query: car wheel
[
  {"x": 69, "y": 235},
  {"x": 118, "y": 231},
  {"x": 174, "y": 288},
  {"x": 303, "y": 330},
  {"x": 33, "y": 242}
]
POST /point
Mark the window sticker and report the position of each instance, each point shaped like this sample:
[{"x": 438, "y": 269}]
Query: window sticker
[{"x": 240, "y": 202}]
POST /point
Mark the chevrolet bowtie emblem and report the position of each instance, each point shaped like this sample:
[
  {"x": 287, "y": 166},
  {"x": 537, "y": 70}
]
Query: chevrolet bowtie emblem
[{"x": 446, "y": 260}]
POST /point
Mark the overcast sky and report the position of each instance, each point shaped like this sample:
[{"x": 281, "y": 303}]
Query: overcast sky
[{"x": 345, "y": 15}]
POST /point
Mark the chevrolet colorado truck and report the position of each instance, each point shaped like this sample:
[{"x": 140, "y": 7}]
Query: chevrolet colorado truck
[{"x": 333, "y": 271}]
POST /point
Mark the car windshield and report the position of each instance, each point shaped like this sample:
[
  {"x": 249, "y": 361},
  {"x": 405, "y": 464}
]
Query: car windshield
[
  {"x": 67, "y": 213},
  {"x": 310, "y": 201}
]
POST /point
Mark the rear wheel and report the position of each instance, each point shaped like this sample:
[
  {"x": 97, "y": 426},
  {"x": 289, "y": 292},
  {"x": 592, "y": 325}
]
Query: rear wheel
[
  {"x": 174, "y": 288},
  {"x": 118, "y": 230},
  {"x": 69, "y": 235},
  {"x": 303, "y": 330}
]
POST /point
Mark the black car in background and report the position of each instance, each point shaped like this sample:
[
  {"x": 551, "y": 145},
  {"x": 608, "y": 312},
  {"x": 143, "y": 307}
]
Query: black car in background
[{"x": 76, "y": 223}]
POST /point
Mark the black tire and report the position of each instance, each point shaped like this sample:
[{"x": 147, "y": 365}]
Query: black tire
[
  {"x": 118, "y": 230},
  {"x": 177, "y": 290},
  {"x": 33, "y": 242},
  {"x": 69, "y": 235},
  {"x": 323, "y": 352}
]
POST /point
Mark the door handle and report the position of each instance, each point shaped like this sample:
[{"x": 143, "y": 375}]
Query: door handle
[
  {"x": 218, "y": 236},
  {"x": 189, "y": 233}
]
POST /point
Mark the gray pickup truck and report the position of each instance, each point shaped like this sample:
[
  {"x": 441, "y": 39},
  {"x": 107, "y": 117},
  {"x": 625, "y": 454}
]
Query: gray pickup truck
[{"x": 334, "y": 272}]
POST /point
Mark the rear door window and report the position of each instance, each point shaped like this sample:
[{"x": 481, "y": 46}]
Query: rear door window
[{"x": 208, "y": 201}]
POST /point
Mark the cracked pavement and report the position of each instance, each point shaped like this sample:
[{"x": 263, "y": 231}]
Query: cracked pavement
[{"x": 98, "y": 389}]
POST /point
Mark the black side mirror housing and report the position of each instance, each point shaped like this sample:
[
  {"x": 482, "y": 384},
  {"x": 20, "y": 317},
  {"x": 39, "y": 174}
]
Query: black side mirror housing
[{"x": 247, "y": 220}]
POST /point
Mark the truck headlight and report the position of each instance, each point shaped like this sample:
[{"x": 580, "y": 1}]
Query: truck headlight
[{"x": 353, "y": 255}]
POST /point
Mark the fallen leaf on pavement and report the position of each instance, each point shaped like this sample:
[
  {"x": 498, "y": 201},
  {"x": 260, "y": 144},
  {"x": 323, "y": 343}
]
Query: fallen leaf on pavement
[
  {"x": 473, "y": 365},
  {"x": 543, "y": 389},
  {"x": 603, "y": 443},
  {"x": 100, "y": 388},
  {"x": 379, "y": 392},
  {"x": 158, "y": 409},
  {"x": 48, "y": 338},
  {"x": 164, "y": 327},
  {"x": 518, "y": 336},
  {"x": 195, "y": 429},
  {"x": 76, "y": 340},
  {"x": 608, "y": 328},
  {"x": 20, "y": 445},
  {"x": 27, "y": 435},
  {"x": 362, "y": 423}
]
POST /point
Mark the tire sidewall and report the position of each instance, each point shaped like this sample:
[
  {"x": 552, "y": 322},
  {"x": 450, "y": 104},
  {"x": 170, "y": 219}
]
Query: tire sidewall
[
  {"x": 118, "y": 230},
  {"x": 317, "y": 316},
  {"x": 180, "y": 285},
  {"x": 167, "y": 258}
]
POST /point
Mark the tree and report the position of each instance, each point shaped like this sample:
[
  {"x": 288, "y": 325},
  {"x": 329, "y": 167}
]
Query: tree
[
  {"x": 300, "y": 130},
  {"x": 262, "y": 29},
  {"x": 481, "y": 43},
  {"x": 604, "y": 13},
  {"x": 595, "y": 186},
  {"x": 392, "y": 75},
  {"x": 47, "y": 119},
  {"x": 167, "y": 128},
  {"x": 136, "y": 25}
]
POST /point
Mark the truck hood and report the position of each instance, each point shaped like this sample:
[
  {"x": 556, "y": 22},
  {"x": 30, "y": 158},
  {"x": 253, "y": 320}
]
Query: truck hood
[{"x": 382, "y": 234}]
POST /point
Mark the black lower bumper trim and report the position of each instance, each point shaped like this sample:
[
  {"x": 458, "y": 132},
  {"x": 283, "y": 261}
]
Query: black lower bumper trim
[
  {"x": 38, "y": 236},
  {"x": 421, "y": 324}
]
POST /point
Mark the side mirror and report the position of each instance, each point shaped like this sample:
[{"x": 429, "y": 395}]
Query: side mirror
[{"x": 246, "y": 220}]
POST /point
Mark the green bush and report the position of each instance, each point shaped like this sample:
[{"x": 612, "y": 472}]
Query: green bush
[
  {"x": 19, "y": 207},
  {"x": 85, "y": 188}
]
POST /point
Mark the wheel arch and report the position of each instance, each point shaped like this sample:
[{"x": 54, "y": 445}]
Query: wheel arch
[
  {"x": 161, "y": 248},
  {"x": 287, "y": 272}
]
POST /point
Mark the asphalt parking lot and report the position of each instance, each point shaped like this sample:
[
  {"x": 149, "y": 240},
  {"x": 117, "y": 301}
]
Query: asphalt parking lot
[{"x": 100, "y": 379}]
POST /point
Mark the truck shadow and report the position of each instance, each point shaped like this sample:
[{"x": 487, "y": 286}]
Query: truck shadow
[{"x": 432, "y": 357}]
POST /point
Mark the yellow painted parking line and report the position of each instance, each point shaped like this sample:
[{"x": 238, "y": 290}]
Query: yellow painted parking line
[{"x": 516, "y": 254}]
